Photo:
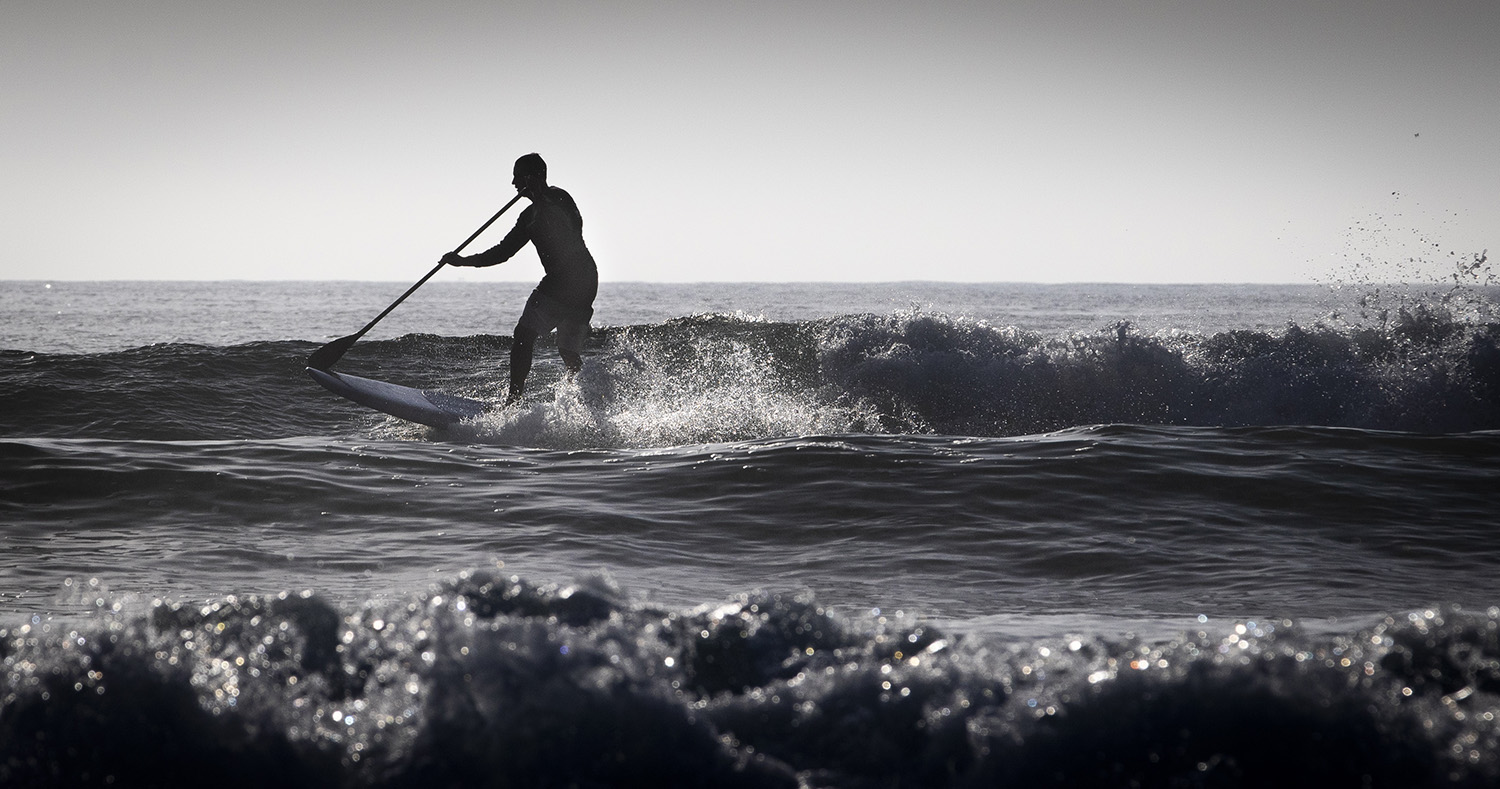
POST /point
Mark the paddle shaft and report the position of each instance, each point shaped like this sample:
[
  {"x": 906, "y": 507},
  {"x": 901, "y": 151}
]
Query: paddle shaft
[
  {"x": 435, "y": 269},
  {"x": 324, "y": 357}
]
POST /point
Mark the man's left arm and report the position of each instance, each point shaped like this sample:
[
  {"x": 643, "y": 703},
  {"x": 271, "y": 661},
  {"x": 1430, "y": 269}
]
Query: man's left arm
[{"x": 518, "y": 237}]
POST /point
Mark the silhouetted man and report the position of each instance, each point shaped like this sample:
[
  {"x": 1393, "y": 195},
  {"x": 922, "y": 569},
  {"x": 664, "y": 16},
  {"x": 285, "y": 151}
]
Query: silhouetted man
[{"x": 564, "y": 299}]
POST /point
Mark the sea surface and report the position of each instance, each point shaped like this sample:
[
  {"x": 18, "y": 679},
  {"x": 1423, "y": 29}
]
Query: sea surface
[{"x": 800, "y": 535}]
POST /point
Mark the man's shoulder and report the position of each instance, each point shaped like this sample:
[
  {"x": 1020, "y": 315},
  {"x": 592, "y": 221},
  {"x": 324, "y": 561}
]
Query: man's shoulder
[{"x": 559, "y": 197}]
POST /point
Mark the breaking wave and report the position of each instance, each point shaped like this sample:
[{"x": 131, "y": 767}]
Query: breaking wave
[{"x": 707, "y": 378}]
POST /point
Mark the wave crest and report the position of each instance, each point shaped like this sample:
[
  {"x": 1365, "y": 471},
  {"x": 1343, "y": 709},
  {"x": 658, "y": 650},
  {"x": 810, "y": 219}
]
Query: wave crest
[{"x": 1429, "y": 366}]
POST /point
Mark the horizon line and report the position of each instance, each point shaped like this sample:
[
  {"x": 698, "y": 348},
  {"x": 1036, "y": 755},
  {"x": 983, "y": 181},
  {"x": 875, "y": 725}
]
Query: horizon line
[{"x": 50, "y": 280}]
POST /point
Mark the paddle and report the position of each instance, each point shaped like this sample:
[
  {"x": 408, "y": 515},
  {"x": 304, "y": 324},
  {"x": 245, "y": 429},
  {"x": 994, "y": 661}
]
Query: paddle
[{"x": 324, "y": 357}]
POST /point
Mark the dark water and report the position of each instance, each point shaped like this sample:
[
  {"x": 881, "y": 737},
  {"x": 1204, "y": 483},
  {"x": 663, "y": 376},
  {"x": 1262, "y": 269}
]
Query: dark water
[{"x": 891, "y": 548}]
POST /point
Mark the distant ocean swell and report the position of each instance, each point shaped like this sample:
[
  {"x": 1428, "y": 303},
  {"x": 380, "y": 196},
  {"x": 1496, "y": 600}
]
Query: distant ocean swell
[
  {"x": 489, "y": 680},
  {"x": 727, "y": 378}
]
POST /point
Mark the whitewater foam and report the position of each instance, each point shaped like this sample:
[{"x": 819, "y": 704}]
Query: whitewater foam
[{"x": 490, "y": 679}]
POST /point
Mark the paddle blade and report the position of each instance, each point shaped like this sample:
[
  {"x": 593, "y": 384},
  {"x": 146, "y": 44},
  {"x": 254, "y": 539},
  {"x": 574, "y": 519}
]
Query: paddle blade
[{"x": 323, "y": 358}]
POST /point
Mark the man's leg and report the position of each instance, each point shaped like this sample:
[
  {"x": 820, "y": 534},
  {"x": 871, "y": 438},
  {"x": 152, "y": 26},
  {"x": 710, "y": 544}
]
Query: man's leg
[
  {"x": 522, "y": 345},
  {"x": 570, "y": 336}
]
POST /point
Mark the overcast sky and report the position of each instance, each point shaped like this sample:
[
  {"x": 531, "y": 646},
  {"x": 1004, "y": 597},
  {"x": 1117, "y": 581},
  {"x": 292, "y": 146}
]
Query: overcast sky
[{"x": 1056, "y": 140}]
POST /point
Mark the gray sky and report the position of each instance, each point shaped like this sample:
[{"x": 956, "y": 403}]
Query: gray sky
[{"x": 1056, "y": 140}]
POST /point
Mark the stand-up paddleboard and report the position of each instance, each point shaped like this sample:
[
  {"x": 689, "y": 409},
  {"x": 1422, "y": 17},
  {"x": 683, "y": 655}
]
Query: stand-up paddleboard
[{"x": 433, "y": 409}]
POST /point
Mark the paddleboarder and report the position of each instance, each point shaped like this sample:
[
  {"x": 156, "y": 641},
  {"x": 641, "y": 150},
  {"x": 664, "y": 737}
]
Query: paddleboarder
[{"x": 564, "y": 299}]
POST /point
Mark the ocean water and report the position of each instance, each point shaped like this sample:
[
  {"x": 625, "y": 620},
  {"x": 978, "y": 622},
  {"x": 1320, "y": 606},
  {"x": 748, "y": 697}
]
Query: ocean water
[{"x": 908, "y": 534}]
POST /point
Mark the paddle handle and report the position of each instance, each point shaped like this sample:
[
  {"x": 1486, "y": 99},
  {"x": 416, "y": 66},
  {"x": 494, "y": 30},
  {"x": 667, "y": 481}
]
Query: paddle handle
[{"x": 435, "y": 269}]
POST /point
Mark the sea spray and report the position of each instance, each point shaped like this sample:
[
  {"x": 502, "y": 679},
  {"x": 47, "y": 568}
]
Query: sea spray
[{"x": 704, "y": 379}]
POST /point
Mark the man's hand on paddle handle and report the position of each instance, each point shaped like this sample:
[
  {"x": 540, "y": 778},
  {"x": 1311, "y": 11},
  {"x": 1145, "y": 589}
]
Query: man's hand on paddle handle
[{"x": 455, "y": 259}]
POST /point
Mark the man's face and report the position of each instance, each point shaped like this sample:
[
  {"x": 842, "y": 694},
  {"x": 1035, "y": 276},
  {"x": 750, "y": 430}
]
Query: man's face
[{"x": 523, "y": 184}]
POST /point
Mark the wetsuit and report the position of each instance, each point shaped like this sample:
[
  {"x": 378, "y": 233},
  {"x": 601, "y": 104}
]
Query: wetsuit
[
  {"x": 564, "y": 299},
  {"x": 554, "y": 226}
]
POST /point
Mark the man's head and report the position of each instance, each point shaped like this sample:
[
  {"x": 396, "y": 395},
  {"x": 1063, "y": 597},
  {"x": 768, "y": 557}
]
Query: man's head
[{"x": 530, "y": 174}]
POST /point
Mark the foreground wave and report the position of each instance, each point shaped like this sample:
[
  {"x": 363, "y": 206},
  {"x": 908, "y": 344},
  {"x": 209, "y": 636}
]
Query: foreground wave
[
  {"x": 731, "y": 378},
  {"x": 489, "y": 680}
]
